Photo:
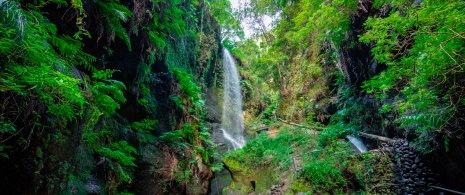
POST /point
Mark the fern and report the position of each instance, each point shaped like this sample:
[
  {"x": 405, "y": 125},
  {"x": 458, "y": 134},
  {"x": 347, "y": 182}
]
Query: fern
[
  {"x": 113, "y": 14},
  {"x": 71, "y": 49},
  {"x": 172, "y": 137},
  {"x": 7, "y": 44},
  {"x": 37, "y": 69},
  {"x": 108, "y": 94},
  {"x": 120, "y": 152},
  {"x": 178, "y": 101},
  {"x": 78, "y": 5},
  {"x": 121, "y": 12},
  {"x": 103, "y": 74},
  {"x": 144, "y": 126},
  {"x": 121, "y": 161}
]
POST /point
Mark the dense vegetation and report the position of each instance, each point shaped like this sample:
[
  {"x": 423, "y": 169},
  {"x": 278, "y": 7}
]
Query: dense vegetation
[
  {"x": 411, "y": 64},
  {"x": 108, "y": 97},
  {"x": 103, "y": 96},
  {"x": 390, "y": 68}
]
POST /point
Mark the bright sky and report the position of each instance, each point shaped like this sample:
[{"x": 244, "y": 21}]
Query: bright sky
[
  {"x": 234, "y": 4},
  {"x": 247, "y": 30}
]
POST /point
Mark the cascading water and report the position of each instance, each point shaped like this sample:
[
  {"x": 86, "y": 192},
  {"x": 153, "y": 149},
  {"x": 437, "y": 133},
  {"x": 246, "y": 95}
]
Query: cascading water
[
  {"x": 357, "y": 142},
  {"x": 232, "y": 123}
]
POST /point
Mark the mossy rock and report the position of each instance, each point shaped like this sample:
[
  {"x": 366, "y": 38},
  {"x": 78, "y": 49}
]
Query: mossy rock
[{"x": 248, "y": 179}]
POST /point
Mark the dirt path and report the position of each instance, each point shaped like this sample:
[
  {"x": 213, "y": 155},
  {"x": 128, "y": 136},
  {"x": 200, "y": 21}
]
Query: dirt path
[{"x": 272, "y": 133}]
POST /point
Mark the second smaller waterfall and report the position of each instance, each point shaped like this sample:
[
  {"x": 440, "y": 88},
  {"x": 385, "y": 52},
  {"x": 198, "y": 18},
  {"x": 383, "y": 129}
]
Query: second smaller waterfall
[{"x": 357, "y": 142}]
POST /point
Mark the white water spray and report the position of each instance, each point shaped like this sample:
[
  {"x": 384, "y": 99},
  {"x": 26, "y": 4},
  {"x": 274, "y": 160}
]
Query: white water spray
[
  {"x": 357, "y": 143},
  {"x": 232, "y": 123}
]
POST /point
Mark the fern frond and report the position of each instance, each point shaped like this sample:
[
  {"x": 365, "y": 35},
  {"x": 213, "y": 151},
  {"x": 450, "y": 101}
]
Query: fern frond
[
  {"x": 71, "y": 49},
  {"x": 12, "y": 16},
  {"x": 121, "y": 33},
  {"x": 113, "y": 14},
  {"x": 110, "y": 90},
  {"x": 6, "y": 40},
  {"x": 63, "y": 46},
  {"x": 78, "y": 5},
  {"x": 159, "y": 41},
  {"x": 118, "y": 84},
  {"x": 122, "y": 12}
]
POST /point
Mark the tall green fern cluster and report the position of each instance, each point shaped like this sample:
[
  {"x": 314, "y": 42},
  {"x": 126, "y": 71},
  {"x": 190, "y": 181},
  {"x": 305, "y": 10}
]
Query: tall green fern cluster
[
  {"x": 46, "y": 74},
  {"x": 167, "y": 23},
  {"x": 191, "y": 104},
  {"x": 107, "y": 93},
  {"x": 192, "y": 131},
  {"x": 121, "y": 161},
  {"x": 41, "y": 62},
  {"x": 40, "y": 79},
  {"x": 32, "y": 67}
]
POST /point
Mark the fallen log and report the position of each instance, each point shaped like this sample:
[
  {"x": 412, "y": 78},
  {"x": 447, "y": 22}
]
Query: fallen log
[
  {"x": 377, "y": 137},
  {"x": 299, "y": 125},
  {"x": 448, "y": 190}
]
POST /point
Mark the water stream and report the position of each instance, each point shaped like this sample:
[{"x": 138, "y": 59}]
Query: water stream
[
  {"x": 357, "y": 142},
  {"x": 232, "y": 123}
]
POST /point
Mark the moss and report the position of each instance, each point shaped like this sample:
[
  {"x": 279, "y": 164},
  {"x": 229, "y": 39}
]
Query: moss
[
  {"x": 243, "y": 176},
  {"x": 300, "y": 186},
  {"x": 235, "y": 166}
]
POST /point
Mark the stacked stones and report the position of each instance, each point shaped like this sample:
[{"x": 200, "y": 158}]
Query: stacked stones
[
  {"x": 275, "y": 190},
  {"x": 412, "y": 175}
]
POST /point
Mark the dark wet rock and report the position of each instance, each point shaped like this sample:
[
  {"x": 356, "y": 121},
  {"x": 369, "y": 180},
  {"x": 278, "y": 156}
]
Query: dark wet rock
[{"x": 92, "y": 186}]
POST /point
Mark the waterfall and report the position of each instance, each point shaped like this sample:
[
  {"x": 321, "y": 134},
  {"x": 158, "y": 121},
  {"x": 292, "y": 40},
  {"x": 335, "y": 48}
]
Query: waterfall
[
  {"x": 232, "y": 123},
  {"x": 357, "y": 142}
]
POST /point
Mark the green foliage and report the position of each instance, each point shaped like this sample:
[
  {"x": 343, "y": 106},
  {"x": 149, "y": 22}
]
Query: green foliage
[
  {"x": 320, "y": 168},
  {"x": 71, "y": 49},
  {"x": 172, "y": 138},
  {"x": 167, "y": 21},
  {"x": 331, "y": 19},
  {"x": 145, "y": 125},
  {"x": 79, "y": 7},
  {"x": 188, "y": 87},
  {"x": 55, "y": 87},
  {"x": 323, "y": 175},
  {"x": 422, "y": 47},
  {"x": 121, "y": 152},
  {"x": 288, "y": 60},
  {"x": 178, "y": 101},
  {"x": 264, "y": 151},
  {"x": 107, "y": 94},
  {"x": 31, "y": 67},
  {"x": 119, "y": 157},
  {"x": 113, "y": 15},
  {"x": 231, "y": 28},
  {"x": 326, "y": 168},
  {"x": 334, "y": 132}
]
